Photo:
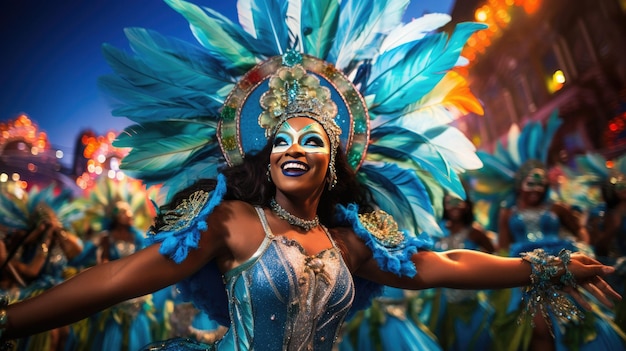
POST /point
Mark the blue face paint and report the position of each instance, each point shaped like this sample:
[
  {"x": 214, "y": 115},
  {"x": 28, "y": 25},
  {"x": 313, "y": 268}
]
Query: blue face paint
[{"x": 312, "y": 139}]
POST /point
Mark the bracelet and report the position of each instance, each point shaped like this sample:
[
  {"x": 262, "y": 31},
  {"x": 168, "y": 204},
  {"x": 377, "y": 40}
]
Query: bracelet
[
  {"x": 5, "y": 345},
  {"x": 543, "y": 294},
  {"x": 567, "y": 278}
]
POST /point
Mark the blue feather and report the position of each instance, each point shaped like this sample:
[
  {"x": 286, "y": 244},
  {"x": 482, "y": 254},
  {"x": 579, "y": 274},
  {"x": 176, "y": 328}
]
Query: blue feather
[
  {"x": 184, "y": 65},
  {"x": 402, "y": 194},
  {"x": 395, "y": 83},
  {"x": 266, "y": 22},
  {"x": 143, "y": 94},
  {"x": 319, "y": 21},
  {"x": 490, "y": 162},
  {"x": 552, "y": 125},
  {"x": 362, "y": 27},
  {"x": 213, "y": 33}
]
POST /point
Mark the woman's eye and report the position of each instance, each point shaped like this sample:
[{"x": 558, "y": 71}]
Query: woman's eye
[
  {"x": 314, "y": 141},
  {"x": 278, "y": 141}
]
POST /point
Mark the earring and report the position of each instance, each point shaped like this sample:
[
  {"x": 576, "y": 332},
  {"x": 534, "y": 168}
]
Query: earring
[
  {"x": 332, "y": 174},
  {"x": 267, "y": 172}
]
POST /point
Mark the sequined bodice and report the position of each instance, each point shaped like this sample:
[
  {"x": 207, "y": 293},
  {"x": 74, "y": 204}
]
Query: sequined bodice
[
  {"x": 534, "y": 224},
  {"x": 282, "y": 299}
]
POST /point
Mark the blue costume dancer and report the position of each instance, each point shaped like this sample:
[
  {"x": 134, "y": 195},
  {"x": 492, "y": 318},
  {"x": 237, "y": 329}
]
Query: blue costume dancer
[
  {"x": 527, "y": 221},
  {"x": 461, "y": 319},
  {"x": 38, "y": 250},
  {"x": 310, "y": 122}
]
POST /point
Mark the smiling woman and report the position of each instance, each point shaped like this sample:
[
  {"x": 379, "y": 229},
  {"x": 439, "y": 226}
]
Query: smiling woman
[{"x": 338, "y": 124}]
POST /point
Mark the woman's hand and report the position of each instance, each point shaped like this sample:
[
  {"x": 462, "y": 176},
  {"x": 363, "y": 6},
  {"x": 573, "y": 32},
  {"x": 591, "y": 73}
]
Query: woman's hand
[{"x": 589, "y": 274}]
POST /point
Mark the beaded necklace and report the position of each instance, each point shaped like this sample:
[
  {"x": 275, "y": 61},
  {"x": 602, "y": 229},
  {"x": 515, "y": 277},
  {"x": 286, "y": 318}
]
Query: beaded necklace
[{"x": 306, "y": 224}]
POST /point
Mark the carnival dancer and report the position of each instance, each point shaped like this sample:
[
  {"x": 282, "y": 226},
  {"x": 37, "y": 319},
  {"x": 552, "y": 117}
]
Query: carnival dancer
[
  {"x": 527, "y": 220},
  {"x": 315, "y": 109}
]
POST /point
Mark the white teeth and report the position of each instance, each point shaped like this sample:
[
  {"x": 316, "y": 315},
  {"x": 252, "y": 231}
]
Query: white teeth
[{"x": 292, "y": 165}]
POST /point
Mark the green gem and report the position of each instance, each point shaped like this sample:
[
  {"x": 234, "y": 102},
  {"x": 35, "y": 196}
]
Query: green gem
[
  {"x": 228, "y": 113},
  {"x": 360, "y": 126},
  {"x": 292, "y": 58}
]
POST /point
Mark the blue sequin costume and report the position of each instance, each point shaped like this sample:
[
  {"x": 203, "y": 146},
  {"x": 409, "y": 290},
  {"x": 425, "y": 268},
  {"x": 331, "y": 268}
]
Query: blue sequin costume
[
  {"x": 297, "y": 302},
  {"x": 281, "y": 298}
]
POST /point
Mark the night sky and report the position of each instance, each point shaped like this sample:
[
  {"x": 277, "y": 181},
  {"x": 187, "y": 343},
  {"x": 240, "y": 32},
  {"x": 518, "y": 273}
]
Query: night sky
[{"x": 51, "y": 57}]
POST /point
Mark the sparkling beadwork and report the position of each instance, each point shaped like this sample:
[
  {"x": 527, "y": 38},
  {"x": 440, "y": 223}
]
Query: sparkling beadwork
[
  {"x": 306, "y": 224},
  {"x": 383, "y": 227},
  {"x": 228, "y": 113},
  {"x": 292, "y": 58},
  {"x": 184, "y": 213}
]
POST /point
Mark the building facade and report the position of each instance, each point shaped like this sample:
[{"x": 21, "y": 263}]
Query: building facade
[{"x": 538, "y": 56}]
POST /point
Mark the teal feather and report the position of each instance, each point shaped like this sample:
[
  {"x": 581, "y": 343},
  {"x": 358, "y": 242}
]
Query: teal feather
[
  {"x": 161, "y": 150},
  {"x": 143, "y": 93},
  {"x": 491, "y": 162},
  {"x": 591, "y": 163},
  {"x": 207, "y": 169},
  {"x": 414, "y": 144},
  {"x": 396, "y": 82},
  {"x": 402, "y": 194},
  {"x": 319, "y": 20},
  {"x": 414, "y": 30},
  {"x": 552, "y": 125},
  {"x": 362, "y": 27},
  {"x": 526, "y": 142},
  {"x": 184, "y": 65},
  {"x": 265, "y": 21},
  {"x": 12, "y": 215},
  {"x": 502, "y": 155},
  {"x": 449, "y": 141},
  {"x": 18, "y": 212},
  {"x": 213, "y": 34},
  {"x": 434, "y": 166}
]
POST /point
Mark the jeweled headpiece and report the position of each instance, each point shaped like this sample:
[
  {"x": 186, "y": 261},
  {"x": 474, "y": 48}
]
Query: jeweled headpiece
[{"x": 295, "y": 93}]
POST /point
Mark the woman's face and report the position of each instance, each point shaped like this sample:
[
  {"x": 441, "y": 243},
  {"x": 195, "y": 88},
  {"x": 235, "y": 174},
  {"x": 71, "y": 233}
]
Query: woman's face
[
  {"x": 300, "y": 156},
  {"x": 534, "y": 186},
  {"x": 124, "y": 214},
  {"x": 455, "y": 207}
]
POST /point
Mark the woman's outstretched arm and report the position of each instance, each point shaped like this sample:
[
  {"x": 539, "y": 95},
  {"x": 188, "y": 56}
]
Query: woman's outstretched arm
[
  {"x": 470, "y": 269},
  {"x": 97, "y": 288}
]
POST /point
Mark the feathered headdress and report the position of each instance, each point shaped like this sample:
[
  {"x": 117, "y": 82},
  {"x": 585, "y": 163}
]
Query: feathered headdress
[
  {"x": 196, "y": 108},
  {"x": 495, "y": 183},
  {"x": 25, "y": 210},
  {"x": 101, "y": 204},
  {"x": 597, "y": 172}
]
